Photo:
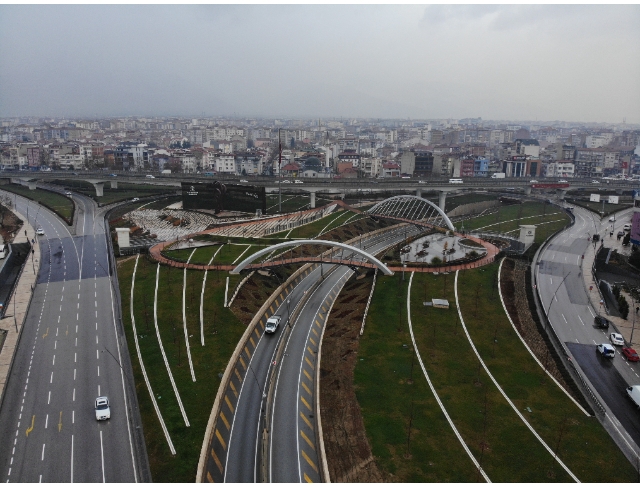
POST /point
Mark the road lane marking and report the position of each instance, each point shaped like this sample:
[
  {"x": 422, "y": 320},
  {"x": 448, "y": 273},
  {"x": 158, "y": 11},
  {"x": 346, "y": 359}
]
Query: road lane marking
[
  {"x": 46, "y": 422},
  {"x": 315, "y": 332},
  {"x": 98, "y": 371},
  {"x": 74, "y": 393},
  {"x": 42, "y": 458},
  {"x": 48, "y": 400},
  {"x": 309, "y": 362},
  {"x": 60, "y": 423},
  {"x": 71, "y": 458},
  {"x": 565, "y": 320},
  {"x": 226, "y": 399},
  {"x": 51, "y": 380},
  {"x": 54, "y": 360},
  {"x": 233, "y": 388},
  {"x": 304, "y": 401},
  {"x": 244, "y": 366},
  {"x": 309, "y": 461},
  {"x": 46, "y": 334},
  {"x": 102, "y": 456},
  {"x": 216, "y": 460},
  {"x": 221, "y": 440},
  {"x": 306, "y": 438},
  {"x": 306, "y": 420},
  {"x": 312, "y": 341},
  {"x": 224, "y": 420},
  {"x": 306, "y": 388},
  {"x": 307, "y": 374}
]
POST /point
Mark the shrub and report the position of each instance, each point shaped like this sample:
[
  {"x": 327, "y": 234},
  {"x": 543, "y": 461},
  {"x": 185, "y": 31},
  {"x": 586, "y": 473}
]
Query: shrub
[
  {"x": 436, "y": 260},
  {"x": 623, "y": 306}
]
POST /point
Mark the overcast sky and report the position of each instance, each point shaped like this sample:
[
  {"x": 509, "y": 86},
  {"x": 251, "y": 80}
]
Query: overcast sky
[{"x": 545, "y": 62}]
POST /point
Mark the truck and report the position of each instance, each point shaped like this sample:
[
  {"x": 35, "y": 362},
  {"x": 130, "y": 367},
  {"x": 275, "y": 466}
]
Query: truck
[
  {"x": 498, "y": 175},
  {"x": 634, "y": 394},
  {"x": 166, "y": 171}
]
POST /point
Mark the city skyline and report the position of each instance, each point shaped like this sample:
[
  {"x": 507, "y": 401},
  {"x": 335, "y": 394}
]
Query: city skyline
[{"x": 541, "y": 62}]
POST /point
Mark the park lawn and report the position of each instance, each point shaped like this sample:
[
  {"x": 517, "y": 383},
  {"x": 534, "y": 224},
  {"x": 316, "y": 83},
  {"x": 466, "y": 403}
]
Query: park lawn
[
  {"x": 455, "y": 201},
  {"x": 290, "y": 203},
  {"x": 503, "y": 445},
  {"x": 228, "y": 254},
  {"x": 554, "y": 416},
  {"x": 392, "y": 392},
  {"x": 222, "y": 330},
  {"x": 58, "y": 203},
  {"x": 597, "y": 207}
]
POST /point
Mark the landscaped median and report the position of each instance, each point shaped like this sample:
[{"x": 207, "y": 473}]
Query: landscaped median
[
  {"x": 409, "y": 434},
  {"x": 61, "y": 205}
]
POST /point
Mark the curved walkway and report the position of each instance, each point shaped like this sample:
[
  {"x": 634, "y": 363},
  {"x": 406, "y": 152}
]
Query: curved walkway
[
  {"x": 184, "y": 317},
  {"x": 504, "y": 395},
  {"x": 433, "y": 389},
  {"x": 142, "y": 367}
]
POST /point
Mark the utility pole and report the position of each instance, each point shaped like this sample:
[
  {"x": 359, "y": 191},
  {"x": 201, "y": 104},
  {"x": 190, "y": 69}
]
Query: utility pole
[{"x": 279, "y": 173}]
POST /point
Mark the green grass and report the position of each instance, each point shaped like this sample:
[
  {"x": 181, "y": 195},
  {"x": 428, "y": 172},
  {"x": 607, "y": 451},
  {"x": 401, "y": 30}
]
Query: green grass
[
  {"x": 124, "y": 191},
  {"x": 509, "y": 218},
  {"x": 58, "y": 203},
  {"x": 222, "y": 332},
  {"x": 455, "y": 201},
  {"x": 555, "y": 418},
  {"x": 597, "y": 207},
  {"x": 311, "y": 230},
  {"x": 227, "y": 255},
  {"x": 507, "y": 450}
]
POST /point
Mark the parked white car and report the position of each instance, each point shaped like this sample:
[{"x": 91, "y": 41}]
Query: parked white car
[{"x": 616, "y": 339}]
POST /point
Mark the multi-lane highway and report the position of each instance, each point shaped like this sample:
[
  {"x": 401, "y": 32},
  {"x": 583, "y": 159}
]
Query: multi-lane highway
[
  {"x": 68, "y": 355},
  {"x": 564, "y": 298},
  {"x": 291, "y": 449}
]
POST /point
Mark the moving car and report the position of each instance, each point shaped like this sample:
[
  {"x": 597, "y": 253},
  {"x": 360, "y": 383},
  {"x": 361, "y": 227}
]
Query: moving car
[
  {"x": 113, "y": 176},
  {"x": 150, "y": 176},
  {"x": 135, "y": 199},
  {"x": 601, "y": 322},
  {"x": 626, "y": 227},
  {"x": 562, "y": 181},
  {"x": 297, "y": 181},
  {"x": 68, "y": 193},
  {"x": 633, "y": 392},
  {"x": 422, "y": 182},
  {"x": 533, "y": 181},
  {"x": 242, "y": 180},
  {"x": 39, "y": 231},
  {"x": 272, "y": 324},
  {"x": 286, "y": 181},
  {"x": 595, "y": 181},
  {"x": 630, "y": 354},
  {"x": 606, "y": 350},
  {"x": 612, "y": 218},
  {"x": 616, "y": 339},
  {"x": 103, "y": 411}
]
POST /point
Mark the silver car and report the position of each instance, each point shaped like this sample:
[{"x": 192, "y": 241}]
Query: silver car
[{"x": 103, "y": 411}]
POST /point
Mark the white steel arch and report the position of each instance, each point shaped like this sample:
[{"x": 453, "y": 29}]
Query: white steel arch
[
  {"x": 393, "y": 203},
  {"x": 325, "y": 243}
]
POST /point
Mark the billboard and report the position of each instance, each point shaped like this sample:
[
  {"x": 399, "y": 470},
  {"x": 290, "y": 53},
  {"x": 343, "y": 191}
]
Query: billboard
[
  {"x": 635, "y": 228},
  {"x": 613, "y": 200},
  {"x": 594, "y": 197},
  {"x": 219, "y": 197}
]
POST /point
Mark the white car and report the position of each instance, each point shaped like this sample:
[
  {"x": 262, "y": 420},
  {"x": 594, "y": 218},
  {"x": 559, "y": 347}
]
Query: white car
[
  {"x": 422, "y": 182},
  {"x": 150, "y": 176},
  {"x": 272, "y": 324},
  {"x": 533, "y": 181},
  {"x": 135, "y": 199},
  {"x": 286, "y": 181},
  {"x": 626, "y": 227},
  {"x": 103, "y": 411},
  {"x": 39, "y": 231},
  {"x": 244, "y": 181},
  {"x": 563, "y": 181},
  {"x": 616, "y": 339},
  {"x": 606, "y": 350},
  {"x": 297, "y": 181},
  {"x": 67, "y": 193},
  {"x": 612, "y": 218},
  {"x": 595, "y": 181}
]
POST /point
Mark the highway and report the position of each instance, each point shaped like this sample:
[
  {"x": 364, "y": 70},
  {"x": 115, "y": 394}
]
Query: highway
[
  {"x": 564, "y": 297},
  {"x": 48, "y": 429},
  {"x": 292, "y": 450}
]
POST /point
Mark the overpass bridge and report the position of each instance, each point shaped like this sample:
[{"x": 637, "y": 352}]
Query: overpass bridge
[{"x": 312, "y": 186}]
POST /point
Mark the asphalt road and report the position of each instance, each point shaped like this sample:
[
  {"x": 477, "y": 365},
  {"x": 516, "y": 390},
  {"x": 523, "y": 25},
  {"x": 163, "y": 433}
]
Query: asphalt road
[
  {"x": 292, "y": 448},
  {"x": 566, "y": 302},
  {"x": 48, "y": 430}
]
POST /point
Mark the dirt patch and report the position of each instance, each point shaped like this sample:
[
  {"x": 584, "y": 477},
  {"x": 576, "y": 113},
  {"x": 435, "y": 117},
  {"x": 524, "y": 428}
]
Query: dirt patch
[
  {"x": 9, "y": 224},
  {"x": 347, "y": 447}
]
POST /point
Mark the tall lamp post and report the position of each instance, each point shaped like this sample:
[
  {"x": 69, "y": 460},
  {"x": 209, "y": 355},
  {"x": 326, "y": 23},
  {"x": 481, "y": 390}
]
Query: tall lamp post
[{"x": 279, "y": 173}]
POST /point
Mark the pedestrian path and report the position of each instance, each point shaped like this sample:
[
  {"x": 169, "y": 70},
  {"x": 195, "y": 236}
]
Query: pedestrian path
[{"x": 18, "y": 304}]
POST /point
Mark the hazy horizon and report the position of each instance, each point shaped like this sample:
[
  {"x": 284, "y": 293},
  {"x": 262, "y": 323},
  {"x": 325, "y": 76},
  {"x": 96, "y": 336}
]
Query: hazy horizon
[{"x": 499, "y": 62}]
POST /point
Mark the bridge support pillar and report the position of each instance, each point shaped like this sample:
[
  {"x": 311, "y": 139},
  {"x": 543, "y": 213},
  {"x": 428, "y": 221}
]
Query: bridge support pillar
[
  {"x": 114, "y": 184},
  {"x": 443, "y": 200},
  {"x": 99, "y": 188},
  {"x": 312, "y": 199},
  {"x": 419, "y": 193},
  {"x": 561, "y": 193},
  {"x": 527, "y": 190},
  {"x": 31, "y": 184}
]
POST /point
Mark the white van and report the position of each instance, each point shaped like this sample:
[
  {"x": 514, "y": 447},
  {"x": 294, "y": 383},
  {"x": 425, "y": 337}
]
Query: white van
[
  {"x": 4, "y": 251},
  {"x": 455, "y": 181},
  {"x": 634, "y": 394}
]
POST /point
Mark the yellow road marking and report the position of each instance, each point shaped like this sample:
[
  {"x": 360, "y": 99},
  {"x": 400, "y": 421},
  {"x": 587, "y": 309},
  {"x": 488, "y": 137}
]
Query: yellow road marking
[
  {"x": 306, "y": 420},
  {"x": 67, "y": 332},
  {"x": 276, "y": 301},
  {"x": 257, "y": 332},
  {"x": 307, "y": 479},
  {"x": 224, "y": 420},
  {"x": 30, "y": 428},
  {"x": 307, "y": 440},
  {"x": 312, "y": 340},
  {"x": 46, "y": 333},
  {"x": 261, "y": 325},
  {"x": 238, "y": 375},
  {"x": 310, "y": 351},
  {"x": 306, "y": 388},
  {"x": 320, "y": 315},
  {"x": 233, "y": 388},
  {"x": 307, "y": 374},
  {"x": 247, "y": 351},
  {"x": 215, "y": 459},
  {"x": 309, "y": 461},
  {"x": 309, "y": 362},
  {"x": 318, "y": 323},
  {"x": 244, "y": 366},
  {"x": 226, "y": 399},
  {"x": 324, "y": 309},
  {"x": 60, "y": 423},
  {"x": 304, "y": 401},
  {"x": 315, "y": 332},
  {"x": 209, "y": 478},
  {"x": 221, "y": 440},
  {"x": 252, "y": 342},
  {"x": 261, "y": 322},
  {"x": 271, "y": 308}
]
